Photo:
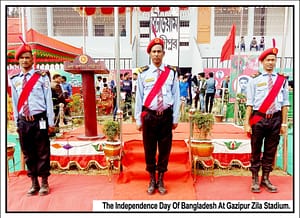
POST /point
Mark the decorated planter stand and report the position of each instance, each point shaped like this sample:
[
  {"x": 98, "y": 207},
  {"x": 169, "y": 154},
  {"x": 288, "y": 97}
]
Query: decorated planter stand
[
  {"x": 201, "y": 147},
  {"x": 112, "y": 146}
]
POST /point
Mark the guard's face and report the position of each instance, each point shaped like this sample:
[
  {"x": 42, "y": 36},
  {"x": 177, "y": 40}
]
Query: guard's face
[
  {"x": 156, "y": 54},
  {"x": 269, "y": 63},
  {"x": 26, "y": 60}
]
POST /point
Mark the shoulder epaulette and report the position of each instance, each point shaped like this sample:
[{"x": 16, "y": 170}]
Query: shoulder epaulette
[
  {"x": 282, "y": 74},
  {"x": 172, "y": 68},
  {"x": 142, "y": 69},
  {"x": 14, "y": 74},
  {"x": 42, "y": 72},
  {"x": 256, "y": 74}
]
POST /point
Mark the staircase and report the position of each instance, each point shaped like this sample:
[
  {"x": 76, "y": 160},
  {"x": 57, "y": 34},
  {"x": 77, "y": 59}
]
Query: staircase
[{"x": 134, "y": 166}]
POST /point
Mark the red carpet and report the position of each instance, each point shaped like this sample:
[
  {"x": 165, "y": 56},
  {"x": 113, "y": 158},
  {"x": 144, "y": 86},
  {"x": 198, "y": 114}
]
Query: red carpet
[
  {"x": 238, "y": 188},
  {"x": 134, "y": 179},
  {"x": 77, "y": 192}
]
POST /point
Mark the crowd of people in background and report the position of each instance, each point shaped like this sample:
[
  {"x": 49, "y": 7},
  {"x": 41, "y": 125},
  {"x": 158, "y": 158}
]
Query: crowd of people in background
[{"x": 198, "y": 91}]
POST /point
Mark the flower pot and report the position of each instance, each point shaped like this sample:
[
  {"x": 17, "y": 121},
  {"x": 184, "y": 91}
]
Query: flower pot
[
  {"x": 219, "y": 118},
  {"x": 202, "y": 148},
  {"x": 112, "y": 149},
  {"x": 200, "y": 134}
]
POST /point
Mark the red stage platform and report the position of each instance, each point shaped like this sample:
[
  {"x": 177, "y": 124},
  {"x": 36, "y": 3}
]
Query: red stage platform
[
  {"x": 78, "y": 193},
  {"x": 231, "y": 145}
]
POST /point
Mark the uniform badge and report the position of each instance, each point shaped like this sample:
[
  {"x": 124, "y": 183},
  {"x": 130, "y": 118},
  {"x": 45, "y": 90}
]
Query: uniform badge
[
  {"x": 261, "y": 84},
  {"x": 17, "y": 84},
  {"x": 149, "y": 80}
]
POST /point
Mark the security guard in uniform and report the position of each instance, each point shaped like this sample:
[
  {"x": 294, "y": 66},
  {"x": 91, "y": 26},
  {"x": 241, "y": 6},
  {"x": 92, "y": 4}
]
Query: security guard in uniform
[
  {"x": 34, "y": 117},
  {"x": 157, "y": 118},
  {"x": 271, "y": 121}
]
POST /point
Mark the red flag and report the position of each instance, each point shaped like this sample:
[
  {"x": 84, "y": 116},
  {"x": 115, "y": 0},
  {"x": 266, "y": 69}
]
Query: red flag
[{"x": 229, "y": 45}]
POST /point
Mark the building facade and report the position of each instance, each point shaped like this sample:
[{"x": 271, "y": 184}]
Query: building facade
[{"x": 195, "y": 37}]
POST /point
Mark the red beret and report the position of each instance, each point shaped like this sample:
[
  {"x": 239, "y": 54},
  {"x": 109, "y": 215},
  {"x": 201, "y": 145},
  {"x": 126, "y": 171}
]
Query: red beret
[
  {"x": 153, "y": 42},
  {"x": 270, "y": 51},
  {"x": 22, "y": 49}
]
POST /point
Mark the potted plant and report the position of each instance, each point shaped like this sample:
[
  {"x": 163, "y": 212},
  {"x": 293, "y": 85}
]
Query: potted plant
[
  {"x": 112, "y": 145},
  {"x": 218, "y": 107},
  {"x": 202, "y": 124}
]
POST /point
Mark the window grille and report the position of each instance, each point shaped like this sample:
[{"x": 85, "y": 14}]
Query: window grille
[
  {"x": 68, "y": 22},
  {"x": 143, "y": 35},
  {"x": 144, "y": 23},
  {"x": 184, "y": 23},
  {"x": 268, "y": 21},
  {"x": 226, "y": 16}
]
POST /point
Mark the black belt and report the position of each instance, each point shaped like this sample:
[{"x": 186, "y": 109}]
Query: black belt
[
  {"x": 35, "y": 117},
  {"x": 267, "y": 116},
  {"x": 157, "y": 113}
]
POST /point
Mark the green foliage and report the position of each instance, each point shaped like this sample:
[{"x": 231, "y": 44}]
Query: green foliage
[
  {"x": 203, "y": 121},
  {"x": 76, "y": 104},
  {"x": 111, "y": 129}
]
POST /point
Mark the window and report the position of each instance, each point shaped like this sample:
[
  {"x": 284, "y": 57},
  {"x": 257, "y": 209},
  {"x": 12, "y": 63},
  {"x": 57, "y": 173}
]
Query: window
[
  {"x": 144, "y": 35},
  {"x": 268, "y": 21},
  {"x": 107, "y": 24},
  {"x": 67, "y": 22},
  {"x": 184, "y": 23},
  {"x": 259, "y": 21},
  {"x": 226, "y": 16},
  {"x": 184, "y": 44},
  {"x": 99, "y": 30},
  {"x": 144, "y": 23}
]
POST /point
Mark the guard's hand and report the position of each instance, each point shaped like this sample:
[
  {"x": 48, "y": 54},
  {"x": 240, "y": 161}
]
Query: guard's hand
[
  {"x": 248, "y": 129},
  {"x": 283, "y": 130},
  {"x": 51, "y": 129},
  {"x": 139, "y": 128},
  {"x": 174, "y": 126}
]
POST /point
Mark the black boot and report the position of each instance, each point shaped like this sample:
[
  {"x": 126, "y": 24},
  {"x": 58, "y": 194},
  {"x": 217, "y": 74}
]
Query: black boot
[
  {"x": 255, "y": 183},
  {"x": 265, "y": 182},
  {"x": 44, "y": 187},
  {"x": 35, "y": 187},
  {"x": 160, "y": 183},
  {"x": 152, "y": 183}
]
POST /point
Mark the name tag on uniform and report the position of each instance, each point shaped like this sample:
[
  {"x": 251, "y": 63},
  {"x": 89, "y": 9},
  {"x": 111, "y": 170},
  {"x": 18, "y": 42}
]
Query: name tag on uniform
[
  {"x": 261, "y": 84},
  {"x": 42, "y": 124},
  {"x": 149, "y": 80}
]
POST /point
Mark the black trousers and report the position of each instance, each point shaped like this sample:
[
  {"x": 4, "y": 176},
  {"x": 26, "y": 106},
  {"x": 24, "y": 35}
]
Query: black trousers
[
  {"x": 35, "y": 145},
  {"x": 265, "y": 133},
  {"x": 157, "y": 134}
]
